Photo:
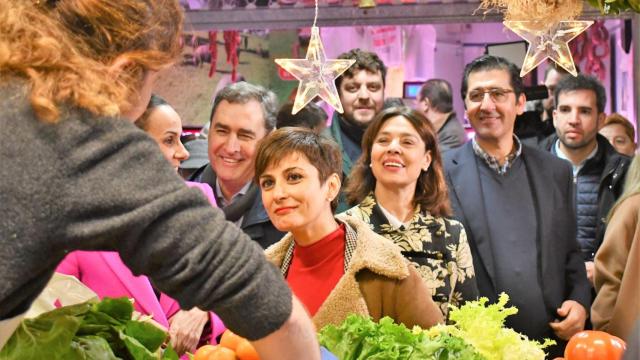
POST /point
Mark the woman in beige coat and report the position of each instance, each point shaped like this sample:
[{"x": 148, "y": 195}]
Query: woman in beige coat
[
  {"x": 617, "y": 263},
  {"x": 336, "y": 265}
]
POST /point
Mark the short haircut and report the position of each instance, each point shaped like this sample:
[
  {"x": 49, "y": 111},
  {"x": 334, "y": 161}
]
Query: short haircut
[
  {"x": 143, "y": 121},
  {"x": 617, "y": 119},
  {"x": 322, "y": 152},
  {"x": 582, "y": 82},
  {"x": 491, "y": 62},
  {"x": 242, "y": 92},
  {"x": 431, "y": 188},
  {"x": 365, "y": 60},
  {"x": 391, "y": 102},
  {"x": 438, "y": 92},
  {"x": 311, "y": 116},
  {"x": 560, "y": 70}
]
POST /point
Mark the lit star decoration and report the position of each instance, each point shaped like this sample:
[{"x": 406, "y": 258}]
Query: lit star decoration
[
  {"x": 550, "y": 42},
  {"x": 316, "y": 73}
]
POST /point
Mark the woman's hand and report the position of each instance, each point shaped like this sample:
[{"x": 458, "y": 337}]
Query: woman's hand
[{"x": 185, "y": 329}]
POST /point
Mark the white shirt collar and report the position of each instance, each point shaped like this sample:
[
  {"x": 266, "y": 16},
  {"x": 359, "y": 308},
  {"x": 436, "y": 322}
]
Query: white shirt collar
[{"x": 576, "y": 168}]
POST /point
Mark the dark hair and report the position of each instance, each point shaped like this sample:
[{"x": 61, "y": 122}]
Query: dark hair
[
  {"x": 582, "y": 82},
  {"x": 323, "y": 153},
  {"x": 392, "y": 101},
  {"x": 558, "y": 69},
  {"x": 143, "y": 121},
  {"x": 491, "y": 62},
  {"x": 311, "y": 116},
  {"x": 438, "y": 92},
  {"x": 431, "y": 189},
  {"x": 365, "y": 60},
  {"x": 242, "y": 92}
]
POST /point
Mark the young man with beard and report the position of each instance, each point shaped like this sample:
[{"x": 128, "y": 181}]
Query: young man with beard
[
  {"x": 516, "y": 205},
  {"x": 361, "y": 91},
  {"x": 242, "y": 115},
  {"x": 598, "y": 169}
]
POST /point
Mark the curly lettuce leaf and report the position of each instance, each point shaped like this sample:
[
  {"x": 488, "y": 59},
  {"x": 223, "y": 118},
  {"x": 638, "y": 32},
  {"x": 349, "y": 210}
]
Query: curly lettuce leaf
[{"x": 482, "y": 326}]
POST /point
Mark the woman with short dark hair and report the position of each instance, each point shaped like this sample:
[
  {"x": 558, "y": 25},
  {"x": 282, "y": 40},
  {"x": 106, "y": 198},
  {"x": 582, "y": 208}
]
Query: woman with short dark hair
[{"x": 336, "y": 265}]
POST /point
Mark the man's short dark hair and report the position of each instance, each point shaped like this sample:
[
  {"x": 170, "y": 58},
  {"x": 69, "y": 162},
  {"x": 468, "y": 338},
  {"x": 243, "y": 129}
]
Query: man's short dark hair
[
  {"x": 438, "y": 92},
  {"x": 560, "y": 70},
  {"x": 311, "y": 116},
  {"x": 365, "y": 60},
  {"x": 582, "y": 82},
  {"x": 491, "y": 62}
]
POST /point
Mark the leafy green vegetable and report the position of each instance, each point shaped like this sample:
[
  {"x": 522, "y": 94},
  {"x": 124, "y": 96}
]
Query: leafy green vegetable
[
  {"x": 88, "y": 331},
  {"x": 360, "y": 338},
  {"x": 483, "y": 327}
]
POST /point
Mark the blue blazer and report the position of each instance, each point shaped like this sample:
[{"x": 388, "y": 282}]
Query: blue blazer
[{"x": 561, "y": 269}]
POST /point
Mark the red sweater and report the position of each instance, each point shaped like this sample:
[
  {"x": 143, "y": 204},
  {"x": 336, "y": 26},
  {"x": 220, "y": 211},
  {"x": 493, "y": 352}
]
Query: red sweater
[{"x": 316, "y": 269}]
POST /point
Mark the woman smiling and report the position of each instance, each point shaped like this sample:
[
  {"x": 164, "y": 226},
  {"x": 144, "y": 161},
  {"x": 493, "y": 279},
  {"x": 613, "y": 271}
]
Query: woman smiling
[
  {"x": 336, "y": 266},
  {"x": 399, "y": 186}
]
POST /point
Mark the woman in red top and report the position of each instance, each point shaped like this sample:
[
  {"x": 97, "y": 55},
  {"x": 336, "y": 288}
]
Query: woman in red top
[{"x": 336, "y": 265}]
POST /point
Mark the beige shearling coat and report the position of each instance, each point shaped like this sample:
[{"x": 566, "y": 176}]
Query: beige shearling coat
[
  {"x": 617, "y": 272},
  {"x": 378, "y": 282}
]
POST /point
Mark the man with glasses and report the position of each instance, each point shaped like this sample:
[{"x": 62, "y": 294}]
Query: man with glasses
[{"x": 516, "y": 204}]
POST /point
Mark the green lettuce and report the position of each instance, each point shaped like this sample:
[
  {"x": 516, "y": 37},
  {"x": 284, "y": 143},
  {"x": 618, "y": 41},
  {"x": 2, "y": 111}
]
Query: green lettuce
[
  {"x": 88, "y": 331},
  {"x": 482, "y": 326},
  {"x": 361, "y": 338}
]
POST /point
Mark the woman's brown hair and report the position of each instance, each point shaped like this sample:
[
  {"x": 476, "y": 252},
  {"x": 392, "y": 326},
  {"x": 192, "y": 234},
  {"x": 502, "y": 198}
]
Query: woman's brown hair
[
  {"x": 431, "y": 188},
  {"x": 323, "y": 153},
  {"x": 64, "y": 48}
]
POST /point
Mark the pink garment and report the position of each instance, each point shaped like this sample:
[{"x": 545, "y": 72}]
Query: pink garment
[{"x": 106, "y": 274}]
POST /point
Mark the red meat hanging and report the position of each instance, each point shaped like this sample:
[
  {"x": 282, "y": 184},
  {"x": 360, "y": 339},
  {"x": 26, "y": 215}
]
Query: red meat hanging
[
  {"x": 231, "y": 42},
  {"x": 213, "y": 49}
]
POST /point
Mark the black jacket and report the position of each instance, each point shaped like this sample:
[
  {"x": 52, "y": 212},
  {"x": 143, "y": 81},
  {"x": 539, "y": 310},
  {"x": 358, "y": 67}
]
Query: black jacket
[
  {"x": 614, "y": 170},
  {"x": 255, "y": 221}
]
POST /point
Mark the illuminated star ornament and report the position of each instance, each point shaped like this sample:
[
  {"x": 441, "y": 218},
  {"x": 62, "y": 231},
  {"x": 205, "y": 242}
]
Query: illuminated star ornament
[
  {"x": 316, "y": 74},
  {"x": 551, "y": 42}
]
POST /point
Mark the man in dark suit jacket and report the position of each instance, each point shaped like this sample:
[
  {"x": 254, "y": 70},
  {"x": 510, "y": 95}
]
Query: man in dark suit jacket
[
  {"x": 242, "y": 115},
  {"x": 516, "y": 204},
  {"x": 435, "y": 102}
]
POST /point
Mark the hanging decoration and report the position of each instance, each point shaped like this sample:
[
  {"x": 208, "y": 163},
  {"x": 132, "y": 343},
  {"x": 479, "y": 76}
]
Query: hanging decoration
[
  {"x": 316, "y": 73},
  {"x": 213, "y": 49},
  {"x": 552, "y": 43},
  {"x": 231, "y": 42},
  {"x": 547, "y": 25}
]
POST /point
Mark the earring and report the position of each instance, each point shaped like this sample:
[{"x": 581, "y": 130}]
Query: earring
[
  {"x": 425, "y": 169},
  {"x": 370, "y": 165}
]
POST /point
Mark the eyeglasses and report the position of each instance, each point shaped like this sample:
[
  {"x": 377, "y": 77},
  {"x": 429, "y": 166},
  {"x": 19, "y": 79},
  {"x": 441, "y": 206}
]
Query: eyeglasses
[{"x": 497, "y": 95}]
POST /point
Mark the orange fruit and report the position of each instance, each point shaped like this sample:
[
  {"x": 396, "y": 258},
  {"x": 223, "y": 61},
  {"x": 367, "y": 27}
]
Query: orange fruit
[
  {"x": 246, "y": 351},
  {"x": 230, "y": 340},
  {"x": 222, "y": 353},
  {"x": 203, "y": 352}
]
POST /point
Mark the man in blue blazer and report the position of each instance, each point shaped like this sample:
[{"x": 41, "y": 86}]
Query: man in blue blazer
[{"x": 517, "y": 206}]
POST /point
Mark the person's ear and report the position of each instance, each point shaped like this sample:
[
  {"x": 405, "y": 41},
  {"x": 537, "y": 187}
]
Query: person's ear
[
  {"x": 119, "y": 65},
  {"x": 520, "y": 104},
  {"x": 600, "y": 122},
  {"x": 426, "y": 161},
  {"x": 334, "y": 184}
]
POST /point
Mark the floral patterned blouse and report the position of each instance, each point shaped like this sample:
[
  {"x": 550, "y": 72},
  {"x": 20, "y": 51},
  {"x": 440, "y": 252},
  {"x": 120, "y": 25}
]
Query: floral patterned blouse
[{"x": 436, "y": 246}]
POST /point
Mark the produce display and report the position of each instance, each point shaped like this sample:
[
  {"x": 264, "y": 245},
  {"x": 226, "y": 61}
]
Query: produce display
[
  {"x": 231, "y": 347},
  {"x": 477, "y": 332},
  {"x": 91, "y": 330}
]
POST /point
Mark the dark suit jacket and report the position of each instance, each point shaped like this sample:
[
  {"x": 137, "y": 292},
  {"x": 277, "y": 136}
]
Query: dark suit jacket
[
  {"x": 561, "y": 270},
  {"x": 255, "y": 221}
]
